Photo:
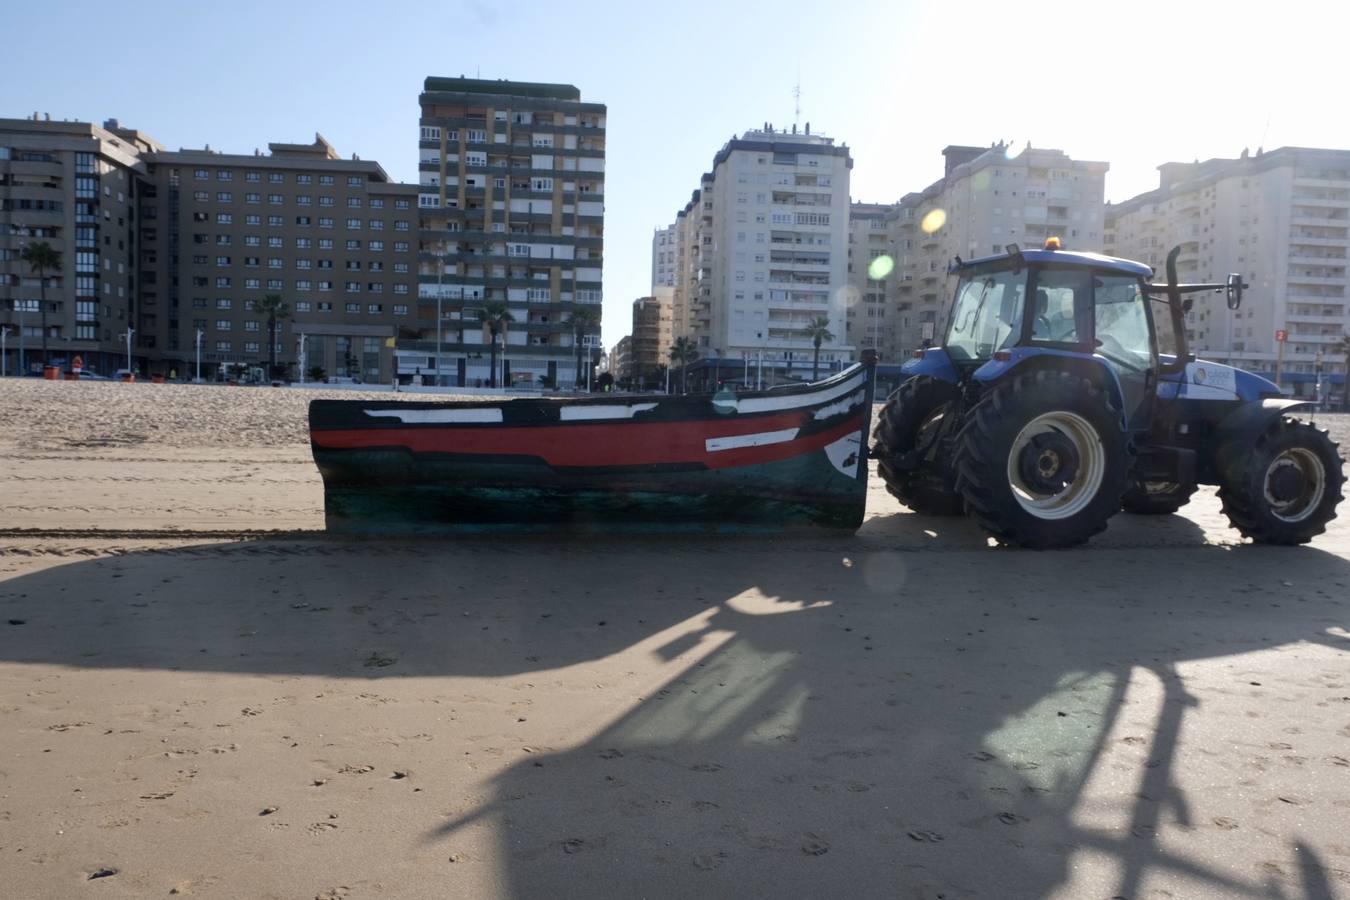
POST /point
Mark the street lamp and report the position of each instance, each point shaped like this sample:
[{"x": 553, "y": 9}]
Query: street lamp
[
  {"x": 1317, "y": 370},
  {"x": 130, "y": 332},
  {"x": 4, "y": 359},
  {"x": 303, "y": 360},
  {"x": 199, "y": 357}
]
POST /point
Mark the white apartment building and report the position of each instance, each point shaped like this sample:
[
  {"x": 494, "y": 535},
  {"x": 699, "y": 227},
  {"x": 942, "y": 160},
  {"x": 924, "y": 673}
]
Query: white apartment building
[
  {"x": 664, "y": 257},
  {"x": 871, "y": 315},
  {"x": 511, "y": 208},
  {"x": 988, "y": 197},
  {"x": 766, "y": 238},
  {"x": 1282, "y": 219}
]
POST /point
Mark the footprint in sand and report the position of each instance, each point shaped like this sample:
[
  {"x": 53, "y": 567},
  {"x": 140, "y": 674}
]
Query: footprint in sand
[
  {"x": 322, "y": 827},
  {"x": 342, "y": 892},
  {"x": 709, "y": 861},
  {"x": 1225, "y": 823}
]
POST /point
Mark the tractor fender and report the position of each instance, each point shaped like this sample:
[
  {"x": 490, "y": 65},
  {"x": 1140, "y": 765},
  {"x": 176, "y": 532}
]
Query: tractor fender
[
  {"x": 1023, "y": 360},
  {"x": 1248, "y": 420},
  {"x": 933, "y": 362}
]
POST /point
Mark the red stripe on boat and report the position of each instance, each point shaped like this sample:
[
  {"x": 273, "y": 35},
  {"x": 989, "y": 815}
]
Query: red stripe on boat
[{"x": 598, "y": 445}]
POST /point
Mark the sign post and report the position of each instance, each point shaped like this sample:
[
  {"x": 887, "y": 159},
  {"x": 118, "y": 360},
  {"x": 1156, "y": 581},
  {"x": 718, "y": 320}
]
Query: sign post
[{"x": 1281, "y": 337}]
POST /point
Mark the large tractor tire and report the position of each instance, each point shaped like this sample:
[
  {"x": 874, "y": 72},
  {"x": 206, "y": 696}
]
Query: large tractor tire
[
  {"x": 1150, "y": 498},
  {"x": 1042, "y": 460},
  {"x": 1284, "y": 489},
  {"x": 907, "y": 432}
]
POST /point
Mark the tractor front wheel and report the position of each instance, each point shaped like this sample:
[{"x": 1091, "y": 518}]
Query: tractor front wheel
[
  {"x": 1155, "y": 498},
  {"x": 1042, "y": 460},
  {"x": 1283, "y": 490},
  {"x": 908, "y": 449}
]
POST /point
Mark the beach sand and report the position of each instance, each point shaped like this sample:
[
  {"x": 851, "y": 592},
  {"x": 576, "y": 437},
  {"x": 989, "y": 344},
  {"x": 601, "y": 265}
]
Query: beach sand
[{"x": 202, "y": 695}]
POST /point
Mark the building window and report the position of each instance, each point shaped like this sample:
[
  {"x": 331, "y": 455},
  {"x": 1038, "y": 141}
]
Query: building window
[
  {"x": 355, "y": 181},
  {"x": 401, "y": 204},
  {"x": 325, "y": 286},
  {"x": 302, "y": 221},
  {"x": 303, "y": 200},
  {"x": 400, "y": 309},
  {"x": 275, "y": 178},
  {"x": 325, "y": 244},
  {"x": 376, "y": 224},
  {"x": 253, "y": 219},
  {"x": 200, "y": 174},
  {"x": 302, "y": 243},
  {"x": 302, "y": 306},
  {"x": 376, "y": 246},
  {"x": 326, "y": 180},
  {"x": 274, "y": 221},
  {"x": 302, "y": 285},
  {"x": 252, "y": 284},
  {"x": 353, "y": 223},
  {"x": 252, "y": 240},
  {"x": 253, "y": 176},
  {"x": 400, "y": 289},
  {"x": 274, "y": 241},
  {"x": 274, "y": 262},
  {"x": 353, "y": 244},
  {"x": 375, "y": 309},
  {"x": 222, "y": 346},
  {"x": 400, "y": 225},
  {"x": 252, "y": 197},
  {"x": 375, "y": 287},
  {"x": 222, "y": 260},
  {"x": 353, "y": 287},
  {"x": 223, "y": 325},
  {"x": 376, "y": 203},
  {"x": 325, "y": 200},
  {"x": 353, "y": 307},
  {"x": 224, "y": 219},
  {"x": 223, "y": 303},
  {"x": 353, "y": 202},
  {"x": 224, "y": 175},
  {"x": 224, "y": 197},
  {"x": 222, "y": 281},
  {"x": 274, "y": 284},
  {"x": 400, "y": 246}
]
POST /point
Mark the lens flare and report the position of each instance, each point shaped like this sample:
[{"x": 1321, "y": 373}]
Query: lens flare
[
  {"x": 880, "y": 267},
  {"x": 847, "y": 296},
  {"x": 980, "y": 180},
  {"x": 933, "y": 221},
  {"x": 1014, "y": 149}
]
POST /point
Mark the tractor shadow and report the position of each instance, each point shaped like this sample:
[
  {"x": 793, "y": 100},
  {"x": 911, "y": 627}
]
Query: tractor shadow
[{"x": 846, "y": 716}]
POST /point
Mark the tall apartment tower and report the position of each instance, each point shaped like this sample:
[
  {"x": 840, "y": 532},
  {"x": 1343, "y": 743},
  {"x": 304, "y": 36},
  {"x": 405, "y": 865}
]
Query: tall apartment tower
[
  {"x": 871, "y": 316},
  {"x": 664, "y": 257},
  {"x": 767, "y": 240},
  {"x": 74, "y": 186},
  {"x": 1282, "y": 219},
  {"x": 987, "y": 198},
  {"x": 511, "y": 210},
  {"x": 332, "y": 237}
]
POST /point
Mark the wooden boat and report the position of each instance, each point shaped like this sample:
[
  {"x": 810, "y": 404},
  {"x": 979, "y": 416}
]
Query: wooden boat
[{"x": 772, "y": 460}]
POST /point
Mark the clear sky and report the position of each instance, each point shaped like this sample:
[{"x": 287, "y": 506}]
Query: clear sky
[{"x": 1135, "y": 84}]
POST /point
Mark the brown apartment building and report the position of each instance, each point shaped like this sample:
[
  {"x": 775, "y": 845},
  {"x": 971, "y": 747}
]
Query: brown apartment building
[
  {"x": 333, "y": 237},
  {"x": 74, "y": 186},
  {"x": 173, "y": 243},
  {"x": 511, "y": 206}
]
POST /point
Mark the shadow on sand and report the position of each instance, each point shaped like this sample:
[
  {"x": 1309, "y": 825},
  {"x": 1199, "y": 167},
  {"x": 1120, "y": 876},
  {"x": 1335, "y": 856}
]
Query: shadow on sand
[{"x": 850, "y": 718}]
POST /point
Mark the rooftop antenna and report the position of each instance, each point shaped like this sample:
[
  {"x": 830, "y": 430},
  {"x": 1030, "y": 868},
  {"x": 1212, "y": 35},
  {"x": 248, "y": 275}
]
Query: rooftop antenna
[{"x": 797, "y": 100}]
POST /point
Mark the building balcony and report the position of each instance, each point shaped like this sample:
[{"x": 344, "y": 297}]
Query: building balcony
[
  {"x": 1313, "y": 260},
  {"x": 1338, "y": 280},
  {"x": 1297, "y": 338},
  {"x": 1321, "y": 202},
  {"x": 1319, "y": 238},
  {"x": 1341, "y": 222},
  {"x": 1314, "y": 320}
]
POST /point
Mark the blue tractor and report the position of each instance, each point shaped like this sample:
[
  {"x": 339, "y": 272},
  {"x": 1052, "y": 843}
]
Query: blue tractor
[{"x": 1064, "y": 391}]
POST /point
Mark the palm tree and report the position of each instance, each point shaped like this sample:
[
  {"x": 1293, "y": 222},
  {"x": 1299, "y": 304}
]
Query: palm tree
[
  {"x": 683, "y": 352},
  {"x": 494, "y": 315},
  {"x": 42, "y": 259},
  {"x": 276, "y": 312},
  {"x": 819, "y": 332},
  {"x": 585, "y": 319},
  {"x": 1343, "y": 347}
]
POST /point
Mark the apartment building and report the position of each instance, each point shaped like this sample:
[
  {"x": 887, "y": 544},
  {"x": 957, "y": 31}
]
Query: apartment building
[
  {"x": 621, "y": 358},
  {"x": 1282, "y": 219},
  {"x": 652, "y": 334},
  {"x": 871, "y": 314},
  {"x": 333, "y": 237},
  {"x": 988, "y": 197},
  {"x": 74, "y": 186},
  {"x": 511, "y": 210},
  {"x": 664, "y": 257},
  {"x": 766, "y": 238}
]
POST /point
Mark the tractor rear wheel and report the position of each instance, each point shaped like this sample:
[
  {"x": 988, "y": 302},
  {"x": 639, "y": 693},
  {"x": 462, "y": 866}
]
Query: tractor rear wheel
[
  {"x": 1042, "y": 460},
  {"x": 1156, "y": 498},
  {"x": 1283, "y": 490},
  {"x": 908, "y": 430}
]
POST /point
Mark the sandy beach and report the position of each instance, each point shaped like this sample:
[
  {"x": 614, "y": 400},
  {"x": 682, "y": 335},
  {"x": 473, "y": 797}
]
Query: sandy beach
[{"x": 201, "y": 694}]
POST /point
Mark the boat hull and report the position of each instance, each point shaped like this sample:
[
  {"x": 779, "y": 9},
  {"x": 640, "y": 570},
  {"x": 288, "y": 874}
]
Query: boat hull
[{"x": 774, "y": 461}]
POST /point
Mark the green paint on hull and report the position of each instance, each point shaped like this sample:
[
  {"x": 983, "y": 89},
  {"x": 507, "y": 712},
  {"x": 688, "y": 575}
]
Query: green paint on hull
[{"x": 390, "y": 492}]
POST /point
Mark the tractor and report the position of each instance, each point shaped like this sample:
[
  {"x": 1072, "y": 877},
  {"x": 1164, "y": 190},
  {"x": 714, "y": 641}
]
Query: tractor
[{"x": 1064, "y": 391}]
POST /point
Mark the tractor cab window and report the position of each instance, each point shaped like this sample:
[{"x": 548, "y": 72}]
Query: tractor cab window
[
  {"x": 987, "y": 315},
  {"x": 1062, "y": 312},
  {"x": 1121, "y": 322}
]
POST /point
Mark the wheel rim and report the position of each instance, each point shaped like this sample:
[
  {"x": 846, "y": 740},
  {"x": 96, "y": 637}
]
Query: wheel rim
[
  {"x": 1304, "y": 466},
  {"x": 1056, "y": 465}
]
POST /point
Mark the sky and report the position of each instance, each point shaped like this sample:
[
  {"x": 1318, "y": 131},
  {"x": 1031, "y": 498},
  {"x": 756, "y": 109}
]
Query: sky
[{"x": 1134, "y": 84}]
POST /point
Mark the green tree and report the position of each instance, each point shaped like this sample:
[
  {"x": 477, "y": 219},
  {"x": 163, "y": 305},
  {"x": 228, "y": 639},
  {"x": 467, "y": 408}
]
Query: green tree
[
  {"x": 276, "y": 311},
  {"x": 41, "y": 259},
  {"x": 682, "y": 353},
  {"x": 585, "y": 319},
  {"x": 819, "y": 332},
  {"x": 494, "y": 315}
]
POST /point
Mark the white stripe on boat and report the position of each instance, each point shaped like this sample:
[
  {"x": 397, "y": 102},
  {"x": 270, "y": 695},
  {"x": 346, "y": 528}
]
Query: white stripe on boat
[
  {"x": 794, "y": 401},
  {"x": 438, "y": 416},
  {"x": 842, "y": 406},
  {"x": 735, "y": 442},
  {"x": 610, "y": 411}
]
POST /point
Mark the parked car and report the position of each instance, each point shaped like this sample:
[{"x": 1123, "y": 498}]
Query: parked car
[{"x": 86, "y": 375}]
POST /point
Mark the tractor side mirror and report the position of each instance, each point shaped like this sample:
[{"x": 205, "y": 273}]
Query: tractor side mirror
[{"x": 1234, "y": 290}]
